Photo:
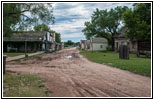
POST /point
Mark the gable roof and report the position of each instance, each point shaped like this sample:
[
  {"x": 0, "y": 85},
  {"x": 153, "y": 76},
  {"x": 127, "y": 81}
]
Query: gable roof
[
  {"x": 99, "y": 40},
  {"x": 121, "y": 33},
  {"x": 83, "y": 41}
]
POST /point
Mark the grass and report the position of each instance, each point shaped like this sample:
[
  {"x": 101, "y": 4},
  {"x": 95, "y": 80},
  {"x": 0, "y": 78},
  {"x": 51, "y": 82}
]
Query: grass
[
  {"x": 68, "y": 47},
  {"x": 31, "y": 57},
  {"x": 136, "y": 65},
  {"x": 35, "y": 56},
  {"x": 18, "y": 85},
  {"x": 14, "y": 54}
]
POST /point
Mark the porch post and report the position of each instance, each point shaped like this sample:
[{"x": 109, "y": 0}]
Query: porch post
[
  {"x": 26, "y": 47},
  {"x": 4, "y": 63}
]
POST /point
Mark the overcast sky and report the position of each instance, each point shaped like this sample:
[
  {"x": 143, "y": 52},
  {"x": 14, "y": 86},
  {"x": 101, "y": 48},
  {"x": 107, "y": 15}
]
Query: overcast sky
[{"x": 70, "y": 17}]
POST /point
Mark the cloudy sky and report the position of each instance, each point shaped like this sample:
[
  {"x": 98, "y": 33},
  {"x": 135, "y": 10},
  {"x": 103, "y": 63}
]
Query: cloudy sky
[{"x": 70, "y": 17}]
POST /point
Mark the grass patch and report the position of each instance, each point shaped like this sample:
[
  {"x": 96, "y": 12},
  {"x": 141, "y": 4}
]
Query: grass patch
[
  {"x": 68, "y": 47},
  {"x": 137, "y": 65},
  {"x": 14, "y": 54},
  {"x": 35, "y": 56},
  {"x": 17, "y": 85},
  {"x": 30, "y": 57}
]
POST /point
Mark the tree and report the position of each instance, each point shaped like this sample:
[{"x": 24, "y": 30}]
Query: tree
[
  {"x": 69, "y": 43},
  {"x": 77, "y": 44},
  {"x": 9, "y": 20},
  {"x": 20, "y": 16},
  {"x": 58, "y": 38},
  {"x": 138, "y": 22},
  {"x": 105, "y": 24},
  {"x": 41, "y": 28}
]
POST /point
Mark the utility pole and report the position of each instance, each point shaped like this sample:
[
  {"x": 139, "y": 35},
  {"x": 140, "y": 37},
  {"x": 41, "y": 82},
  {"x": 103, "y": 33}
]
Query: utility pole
[
  {"x": 92, "y": 44},
  {"x": 47, "y": 42},
  {"x": 26, "y": 47},
  {"x": 4, "y": 63}
]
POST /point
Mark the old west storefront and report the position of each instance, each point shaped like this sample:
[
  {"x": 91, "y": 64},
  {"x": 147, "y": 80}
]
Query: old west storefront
[{"x": 30, "y": 40}]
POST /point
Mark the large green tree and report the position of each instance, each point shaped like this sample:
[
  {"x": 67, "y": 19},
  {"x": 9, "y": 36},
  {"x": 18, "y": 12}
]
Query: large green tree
[
  {"x": 104, "y": 23},
  {"x": 20, "y": 16},
  {"x": 138, "y": 21}
]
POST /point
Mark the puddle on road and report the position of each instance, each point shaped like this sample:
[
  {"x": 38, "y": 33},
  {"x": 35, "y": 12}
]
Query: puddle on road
[
  {"x": 68, "y": 57},
  {"x": 74, "y": 55}
]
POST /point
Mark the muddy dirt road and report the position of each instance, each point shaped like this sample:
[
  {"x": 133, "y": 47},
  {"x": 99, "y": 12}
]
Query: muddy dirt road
[{"x": 78, "y": 77}]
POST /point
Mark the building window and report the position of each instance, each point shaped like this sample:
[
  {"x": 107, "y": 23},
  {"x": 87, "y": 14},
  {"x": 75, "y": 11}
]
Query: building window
[{"x": 101, "y": 46}]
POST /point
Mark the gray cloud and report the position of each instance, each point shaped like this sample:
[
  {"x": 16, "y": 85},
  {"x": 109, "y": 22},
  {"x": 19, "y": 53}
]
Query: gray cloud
[{"x": 70, "y": 17}]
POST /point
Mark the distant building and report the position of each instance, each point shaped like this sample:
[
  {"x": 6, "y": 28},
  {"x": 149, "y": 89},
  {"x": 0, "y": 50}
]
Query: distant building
[
  {"x": 62, "y": 45},
  {"x": 36, "y": 41},
  {"x": 95, "y": 44},
  {"x": 83, "y": 44}
]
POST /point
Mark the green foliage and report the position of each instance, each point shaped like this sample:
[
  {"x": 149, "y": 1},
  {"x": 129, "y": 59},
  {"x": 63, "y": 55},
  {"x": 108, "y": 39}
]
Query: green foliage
[
  {"x": 104, "y": 23},
  {"x": 138, "y": 22},
  {"x": 69, "y": 43},
  {"x": 9, "y": 20},
  {"x": 41, "y": 28},
  {"x": 134, "y": 64},
  {"x": 20, "y": 16},
  {"x": 23, "y": 86},
  {"x": 58, "y": 38},
  {"x": 77, "y": 43}
]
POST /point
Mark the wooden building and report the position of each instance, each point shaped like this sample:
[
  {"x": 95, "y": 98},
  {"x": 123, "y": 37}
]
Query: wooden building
[
  {"x": 121, "y": 39},
  {"x": 29, "y": 41},
  {"x": 138, "y": 47}
]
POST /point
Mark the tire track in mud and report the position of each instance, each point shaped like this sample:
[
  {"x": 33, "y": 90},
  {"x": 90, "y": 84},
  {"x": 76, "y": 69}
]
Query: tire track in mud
[{"x": 84, "y": 90}]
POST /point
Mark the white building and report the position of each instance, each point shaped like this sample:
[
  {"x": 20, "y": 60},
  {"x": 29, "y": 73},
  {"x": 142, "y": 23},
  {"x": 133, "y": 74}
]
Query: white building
[
  {"x": 97, "y": 44},
  {"x": 94, "y": 44}
]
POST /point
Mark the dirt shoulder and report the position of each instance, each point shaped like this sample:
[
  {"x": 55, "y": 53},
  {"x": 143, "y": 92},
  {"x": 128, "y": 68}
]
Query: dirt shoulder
[{"x": 69, "y": 74}]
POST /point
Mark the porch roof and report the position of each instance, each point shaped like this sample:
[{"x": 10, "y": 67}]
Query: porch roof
[{"x": 31, "y": 36}]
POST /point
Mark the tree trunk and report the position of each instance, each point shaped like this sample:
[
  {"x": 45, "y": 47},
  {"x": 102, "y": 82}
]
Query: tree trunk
[{"x": 112, "y": 42}]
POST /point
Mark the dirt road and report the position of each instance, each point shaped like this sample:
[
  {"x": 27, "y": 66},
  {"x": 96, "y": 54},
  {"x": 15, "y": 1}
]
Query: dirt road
[{"x": 78, "y": 77}]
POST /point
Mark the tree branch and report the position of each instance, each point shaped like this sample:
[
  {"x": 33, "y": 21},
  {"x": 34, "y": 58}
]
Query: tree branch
[
  {"x": 13, "y": 13},
  {"x": 25, "y": 16}
]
